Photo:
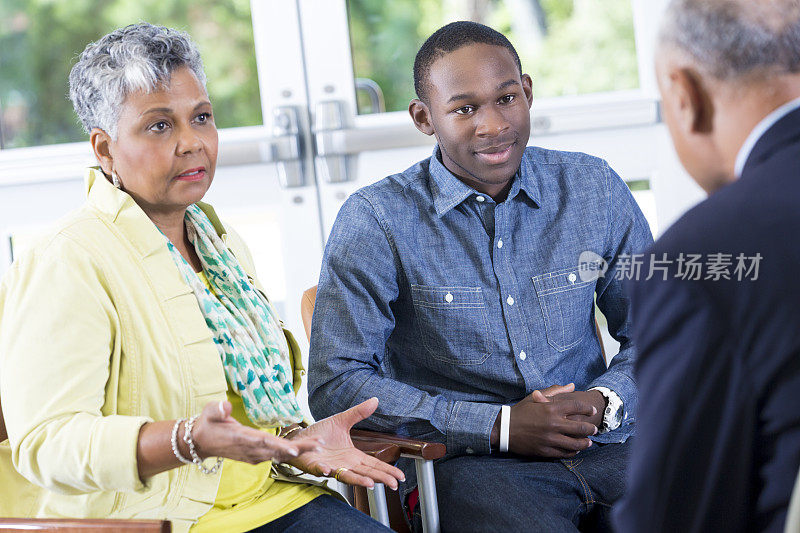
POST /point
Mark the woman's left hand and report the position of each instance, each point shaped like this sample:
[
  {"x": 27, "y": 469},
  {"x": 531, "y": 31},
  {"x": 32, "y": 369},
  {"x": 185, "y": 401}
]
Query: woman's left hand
[{"x": 338, "y": 452}]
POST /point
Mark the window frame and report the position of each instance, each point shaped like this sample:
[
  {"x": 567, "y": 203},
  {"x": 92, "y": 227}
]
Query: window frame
[{"x": 66, "y": 161}]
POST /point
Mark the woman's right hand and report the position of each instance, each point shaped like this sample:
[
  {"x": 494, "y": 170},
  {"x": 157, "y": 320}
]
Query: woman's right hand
[{"x": 217, "y": 434}]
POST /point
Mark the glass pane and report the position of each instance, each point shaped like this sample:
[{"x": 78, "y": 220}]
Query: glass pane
[
  {"x": 570, "y": 47},
  {"x": 41, "y": 39},
  {"x": 643, "y": 194}
]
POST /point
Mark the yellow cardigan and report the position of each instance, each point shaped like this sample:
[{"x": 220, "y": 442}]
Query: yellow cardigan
[{"x": 104, "y": 283}]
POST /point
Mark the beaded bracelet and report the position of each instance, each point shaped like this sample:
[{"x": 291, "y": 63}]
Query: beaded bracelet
[
  {"x": 174, "y": 442},
  {"x": 187, "y": 438}
]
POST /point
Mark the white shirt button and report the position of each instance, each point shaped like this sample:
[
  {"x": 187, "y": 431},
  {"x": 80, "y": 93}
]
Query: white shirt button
[
  {"x": 500, "y": 243},
  {"x": 523, "y": 355},
  {"x": 469, "y": 450},
  {"x": 480, "y": 198},
  {"x": 448, "y": 297},
  {"x": 510, "y": 300},
  {"x": 572, "y": 277}
]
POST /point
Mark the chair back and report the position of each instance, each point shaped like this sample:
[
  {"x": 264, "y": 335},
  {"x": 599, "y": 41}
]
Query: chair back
[
  {"x": 307, "y": 308},
  {"x": 600, "y": 339},
  {"x": 3, "y": 432}
]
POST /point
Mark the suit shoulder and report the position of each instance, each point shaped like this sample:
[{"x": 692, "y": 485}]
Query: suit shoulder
[
  {"x": 712, "y": 225},
  {"x": 684, "y": 235}
]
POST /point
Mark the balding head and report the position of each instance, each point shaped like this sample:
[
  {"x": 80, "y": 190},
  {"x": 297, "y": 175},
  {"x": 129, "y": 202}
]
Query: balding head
[
  {"x": 735, "y": 39},
  {"x": 722, "y": 66}
]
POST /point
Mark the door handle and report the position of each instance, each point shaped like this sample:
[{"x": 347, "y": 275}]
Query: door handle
[
  {"x": 374, "y": 92},
  {"x": 286, "y": 146},
  {"x": 336, "y": 167}
]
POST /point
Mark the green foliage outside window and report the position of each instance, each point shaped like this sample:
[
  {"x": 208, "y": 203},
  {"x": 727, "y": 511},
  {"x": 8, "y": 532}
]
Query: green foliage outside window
[
  {"x": 570, "y": 47},
  {"x": 40, "y": 40},
  {"x": 573, "y": 47}
]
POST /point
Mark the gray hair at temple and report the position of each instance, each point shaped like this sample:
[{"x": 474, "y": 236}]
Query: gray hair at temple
[
  {"x": 139, "y": 57},
  {"x": 730, "y": 39}
]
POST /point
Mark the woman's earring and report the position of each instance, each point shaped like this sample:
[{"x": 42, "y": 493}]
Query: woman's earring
[{"x": 115, "y": 180}]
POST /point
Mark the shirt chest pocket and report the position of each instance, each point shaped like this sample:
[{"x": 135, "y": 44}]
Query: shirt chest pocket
[
  {"x": 451, "y": 323},
  {"x": 566, "y": 302}
]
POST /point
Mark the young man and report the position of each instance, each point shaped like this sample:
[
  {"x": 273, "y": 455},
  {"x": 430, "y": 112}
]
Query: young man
[
  {"x": 454, "y": 288},
  {"x": 718, "y": 446}
]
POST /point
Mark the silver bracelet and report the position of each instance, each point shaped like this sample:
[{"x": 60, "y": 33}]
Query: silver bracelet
[
  {"x": 187, "y": 438},
  {"x": 174, "y": 442}
]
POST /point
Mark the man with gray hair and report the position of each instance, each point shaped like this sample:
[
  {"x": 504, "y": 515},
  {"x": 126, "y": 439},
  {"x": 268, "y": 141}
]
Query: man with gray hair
[{"x": 718, "y": 440}]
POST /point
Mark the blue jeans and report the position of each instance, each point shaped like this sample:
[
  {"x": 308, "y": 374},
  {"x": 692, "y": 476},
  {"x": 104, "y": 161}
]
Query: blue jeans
[
  {"x": 324, "y": 513},
  {"x": 502, "y": 492}
]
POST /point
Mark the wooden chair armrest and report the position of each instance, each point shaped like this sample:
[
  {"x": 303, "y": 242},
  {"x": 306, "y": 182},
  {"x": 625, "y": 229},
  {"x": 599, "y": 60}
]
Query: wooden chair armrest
[
  {"x": 74, "y": 525},
  {"x": 418, "y": 449},
  {"x": 383, "y": 451},
  {"x": 3, "y": 433}
]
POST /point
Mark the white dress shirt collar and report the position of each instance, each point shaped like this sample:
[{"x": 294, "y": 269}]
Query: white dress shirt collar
[{"x": 759, "y": 131}]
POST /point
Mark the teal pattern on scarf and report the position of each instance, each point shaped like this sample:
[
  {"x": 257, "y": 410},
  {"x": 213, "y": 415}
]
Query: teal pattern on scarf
[{"x": 244, "y": 325}]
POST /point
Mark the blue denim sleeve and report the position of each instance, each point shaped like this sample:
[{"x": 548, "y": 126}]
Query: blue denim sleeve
[
  {"x": 353, "y": 319},
  {"x": 628, "y": 234}
]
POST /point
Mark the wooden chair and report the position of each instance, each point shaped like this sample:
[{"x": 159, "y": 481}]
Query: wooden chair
[
  {"x": 68, "y": 525},
  {"x": 423, "y": 453}
]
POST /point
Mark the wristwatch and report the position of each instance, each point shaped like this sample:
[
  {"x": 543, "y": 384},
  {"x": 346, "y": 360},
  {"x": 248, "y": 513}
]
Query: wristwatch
[{"x": 612, "y": 416}]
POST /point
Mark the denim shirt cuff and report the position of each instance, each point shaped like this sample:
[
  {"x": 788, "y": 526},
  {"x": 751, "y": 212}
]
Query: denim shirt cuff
[
  {"x": 621, "y": 434},
  {"x": 469, "y": 427}
]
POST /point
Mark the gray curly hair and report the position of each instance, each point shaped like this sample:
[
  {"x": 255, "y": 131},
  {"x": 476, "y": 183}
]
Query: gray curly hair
[
  {"x": 730, "y": 39},
  {"x": 139, "y": 57}
]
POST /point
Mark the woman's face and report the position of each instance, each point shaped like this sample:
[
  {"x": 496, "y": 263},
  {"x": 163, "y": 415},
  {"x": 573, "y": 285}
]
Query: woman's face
[{"x": 166, "y": 150}]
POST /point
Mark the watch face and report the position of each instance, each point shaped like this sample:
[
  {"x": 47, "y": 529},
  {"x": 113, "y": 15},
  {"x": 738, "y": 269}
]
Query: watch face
[{"x": 612, "y": 416}]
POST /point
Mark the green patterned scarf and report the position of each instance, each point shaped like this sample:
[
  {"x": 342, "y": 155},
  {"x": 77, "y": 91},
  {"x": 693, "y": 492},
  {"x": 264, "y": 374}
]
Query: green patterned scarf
[{"x": 245, "y": 327}]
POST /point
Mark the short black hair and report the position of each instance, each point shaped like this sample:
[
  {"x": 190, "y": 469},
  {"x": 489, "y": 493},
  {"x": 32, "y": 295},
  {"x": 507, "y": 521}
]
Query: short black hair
[{"x": 450, "y": 38}]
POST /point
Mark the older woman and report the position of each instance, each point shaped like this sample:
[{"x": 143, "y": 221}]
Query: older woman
[{"x": 138, "y": 353}]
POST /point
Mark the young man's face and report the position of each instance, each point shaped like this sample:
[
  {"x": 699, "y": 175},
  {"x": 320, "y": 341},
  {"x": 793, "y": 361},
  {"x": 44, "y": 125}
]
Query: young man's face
[{"x": 479, "y": 109}]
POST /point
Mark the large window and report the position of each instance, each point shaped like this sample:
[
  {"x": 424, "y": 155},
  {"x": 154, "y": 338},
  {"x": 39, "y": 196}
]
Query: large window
[
  {"x": 570, "y": 47},
  {"x": 41, "y": 39}
]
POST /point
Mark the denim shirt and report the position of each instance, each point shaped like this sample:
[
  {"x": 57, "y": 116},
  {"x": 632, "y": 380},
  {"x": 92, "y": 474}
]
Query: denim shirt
[{"x": 445, "y": 304}]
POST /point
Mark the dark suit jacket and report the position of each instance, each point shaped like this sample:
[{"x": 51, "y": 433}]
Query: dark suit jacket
[{"x": 718, "y": 437}]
